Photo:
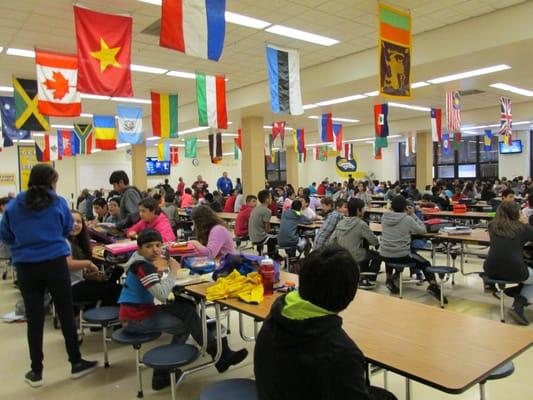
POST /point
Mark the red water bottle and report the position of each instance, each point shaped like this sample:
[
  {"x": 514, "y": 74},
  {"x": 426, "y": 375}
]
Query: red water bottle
[{"x": 267, "y": 271}]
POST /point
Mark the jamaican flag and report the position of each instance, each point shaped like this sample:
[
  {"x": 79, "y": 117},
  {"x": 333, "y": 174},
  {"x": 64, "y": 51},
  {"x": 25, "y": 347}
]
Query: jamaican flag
[{"x": 27, "y": 115}]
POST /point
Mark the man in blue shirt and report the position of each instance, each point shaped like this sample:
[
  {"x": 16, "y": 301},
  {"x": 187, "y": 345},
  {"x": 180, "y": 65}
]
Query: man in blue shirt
[{"x": 224, "y": 184}]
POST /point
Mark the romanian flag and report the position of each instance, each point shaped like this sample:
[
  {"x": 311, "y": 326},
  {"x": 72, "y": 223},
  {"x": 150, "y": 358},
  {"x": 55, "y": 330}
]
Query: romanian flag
[
  {"x": 163, "y": 151},
  {"x": 325, "y": 127},
  {"x": 165, "y": 115},
  {"x": 381, "y": 123},
  {"x": 104, "y": 132},
  {"x": 211, "y": 100}
]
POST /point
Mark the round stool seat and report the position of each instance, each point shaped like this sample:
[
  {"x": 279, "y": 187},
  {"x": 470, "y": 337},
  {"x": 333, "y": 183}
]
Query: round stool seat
[
  {"x": 495, "y": 281},
  {"x": 242, "y": 389},
  {"x": 170, "y": 356},
  {"x": 122, "y": 337},
  {"x": 399, "y": 266},
  {"x": 501, "y": 372},
  {"x": 101, "y": 315},
  {"x": 442, "y": 270}
]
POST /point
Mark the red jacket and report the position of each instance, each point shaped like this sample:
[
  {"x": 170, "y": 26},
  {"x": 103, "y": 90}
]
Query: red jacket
[
  {"x": 321, "y": 190},
  {"x": 241, "y": 223},
  {"x": 230, "y": 203}
]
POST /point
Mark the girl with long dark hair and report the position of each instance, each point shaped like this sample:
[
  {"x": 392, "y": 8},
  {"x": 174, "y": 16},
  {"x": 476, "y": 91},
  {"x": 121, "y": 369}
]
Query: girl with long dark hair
[{"x": 35, "y": 226}]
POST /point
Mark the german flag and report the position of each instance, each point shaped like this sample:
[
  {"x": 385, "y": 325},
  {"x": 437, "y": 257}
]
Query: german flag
[{"x": 27, "y": 115}]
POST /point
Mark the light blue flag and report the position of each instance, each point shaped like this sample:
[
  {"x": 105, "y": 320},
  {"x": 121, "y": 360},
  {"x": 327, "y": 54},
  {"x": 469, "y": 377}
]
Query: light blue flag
[{"x": 130, "y": 124}]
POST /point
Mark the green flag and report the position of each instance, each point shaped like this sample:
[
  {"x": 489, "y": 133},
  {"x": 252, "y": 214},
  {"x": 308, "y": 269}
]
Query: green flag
[{"x": 190, "y": 148}]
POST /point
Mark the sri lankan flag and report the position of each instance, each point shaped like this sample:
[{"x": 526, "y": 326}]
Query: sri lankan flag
[
  {"x": 84, "y": 137},
  {"x": 164, "y": 115},
  {"x": 27, "y": 115},
  {"x": 104, "y": 132},
  {"x": 394, "y": 46}
]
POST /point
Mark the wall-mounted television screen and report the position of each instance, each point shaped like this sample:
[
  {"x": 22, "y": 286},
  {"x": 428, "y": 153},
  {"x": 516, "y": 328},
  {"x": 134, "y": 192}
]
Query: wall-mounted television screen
[
  {"x": 156, "y": 167},
  {"x": 515, "y": 147}
]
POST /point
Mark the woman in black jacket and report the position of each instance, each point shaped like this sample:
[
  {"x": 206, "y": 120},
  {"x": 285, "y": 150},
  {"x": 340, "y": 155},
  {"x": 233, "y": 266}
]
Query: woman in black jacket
[{"x": 508, "y": 235}]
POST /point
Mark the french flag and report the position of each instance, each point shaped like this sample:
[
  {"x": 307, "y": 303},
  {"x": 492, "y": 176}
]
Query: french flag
[{"x": 194, "y": 27}]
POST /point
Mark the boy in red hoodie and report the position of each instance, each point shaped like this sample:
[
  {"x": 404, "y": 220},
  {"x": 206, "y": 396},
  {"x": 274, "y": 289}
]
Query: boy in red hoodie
[{"x": 241, "y": 223}]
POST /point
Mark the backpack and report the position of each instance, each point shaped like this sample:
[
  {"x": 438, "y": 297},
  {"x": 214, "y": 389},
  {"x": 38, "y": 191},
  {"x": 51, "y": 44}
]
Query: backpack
[
  {"x": 434, "y": 225},
  {"x": 244, "y": 263}
]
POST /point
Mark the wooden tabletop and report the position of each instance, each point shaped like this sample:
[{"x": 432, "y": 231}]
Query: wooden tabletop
[{"x": 467, "y": 215}]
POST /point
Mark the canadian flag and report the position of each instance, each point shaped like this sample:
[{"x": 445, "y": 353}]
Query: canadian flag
[
  {"x": 51, "y": 148},
  {"x": 57, "y": 76}
]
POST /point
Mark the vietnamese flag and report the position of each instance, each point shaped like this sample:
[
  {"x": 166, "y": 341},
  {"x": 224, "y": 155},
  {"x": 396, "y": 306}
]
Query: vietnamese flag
[{"x": 104, "y": 53}]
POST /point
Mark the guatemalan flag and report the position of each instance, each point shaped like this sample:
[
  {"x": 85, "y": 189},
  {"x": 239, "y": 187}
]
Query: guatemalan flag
[
  {"x": 284, "y": 77},
  {"x": 194, "y": 27}
]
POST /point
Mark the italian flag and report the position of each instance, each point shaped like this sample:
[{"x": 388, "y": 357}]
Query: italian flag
[
  {"x": 211, "y": 99},
  {"x": 164, "y": 115}
]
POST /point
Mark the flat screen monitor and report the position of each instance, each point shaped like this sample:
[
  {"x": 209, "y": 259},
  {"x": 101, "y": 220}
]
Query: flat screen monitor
[
  {"x": 467, "y": 171},
  {"x": 515, "y": 147},
  {"x": 156, "y": 167}
]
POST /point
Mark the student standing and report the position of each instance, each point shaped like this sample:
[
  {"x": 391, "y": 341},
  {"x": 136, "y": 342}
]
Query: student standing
[
  {"x": 36, "y": 225},
  {"x": 181, "y": 186},
  {"x": 224, "y": 184},
  {"x": 129, "y": 199}
]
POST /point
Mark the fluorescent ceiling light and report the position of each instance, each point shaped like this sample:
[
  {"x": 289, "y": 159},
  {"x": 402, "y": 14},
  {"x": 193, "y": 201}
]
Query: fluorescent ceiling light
[
  {"x": 469, "y": 74},
  {"x": 246, "y": 21},
  {"x": 192, "y": 130},
  {"x": 180, "y": 74},
  {"x": 341, "y": 100},
  {"x": 36, "y": 134},
  {"x": 337, "y": 119},
  {"x": 94, "y": 96},
  {"x": 154, "y": 2},
  {"x": 230, "y": 154},
  {"x": 153, "y": 138},
  {"x": 419, "y": 85},
  {"x": 301, "y": 35},
  {"x": 179, "y": 145},
  {"x": 309, "y": 106},
  {"x": 230, "y": 134},
  {"x": 26, "y": 141},
  {"x": 147, "y": 69},
  {"x": 86, "y": 115},
  {"x": 512, "y": 89},
  {"x": 1, "y": 49},
  {"x": 319, "y": 144},
  {"x": 202, "y": 140},
  {"x": 372, "y": 94},
  {"x": 60, "y": 126},
  {"x": 21, "y": 52},
  {"x": 95, "y": 150},
  {"x": 287, "y": 128},
  {"x": 122, "y": 145},
  {"x": 409, "y": 107},
  {"x": 6, "y": 89},
  {"x": 131, "y": 100}
]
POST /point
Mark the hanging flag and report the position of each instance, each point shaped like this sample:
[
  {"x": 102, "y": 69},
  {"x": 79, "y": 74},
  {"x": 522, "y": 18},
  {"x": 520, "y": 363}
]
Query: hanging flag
[
  {"x": 338, "y": 133},
  {"x": 215, "y": 147},
  {"x": 410, "y": 144},
  {"x": 174, "y": 155},
  {"x": 104, "y": 53},
  {"x": 446, "y": 147},
  {"x": 379, "y": 143},
  {"x": 325, "y": 127},
  {"x": 453, "y": 111},
  {"x": 83, "y": 136},
  {"x": 294, "y": 141},
  {"x": 278, "y": 128},
  {"x": 238, "y": 140},
  {"x": 65, "y": 143},
  {"x": 283, "y": 67},
  {"x": 190, "y": 148},
  {"x": 376, "y": 151},
  {"x": 302, "y": 157},
  {"x": 57, "y": 77},
  {"x": 211, "y": 99},
  {"x": 27, "y": 115},
  {"x": 436, "y": 124},
  {"x": 194, "y": 27},
  {"x": 104, "y": 132},
  {"x": 487, "y": 140},
  {"x": 51, "y": 148},
  {"x": 381, "y": 123},
  {"x": 130, "y": 124},
  {"x": 300, "y": 137},
  {"x": 323, "y": 153},
  {"x": 39, "y": 151},
  {"x": 164, "y": 115},
  {"x": 506, "y": 120},
  {"x": 163, "y": 150},
  {"x": 457, "y": 140},
  {"x": 394, "y": 46},
  {"x": 7, "y": 114},
  {"x": 348, "y": 151},
  {"x": 271, "y": 147},
  {"x": 237, "y": 153},
  {"x": 316, "y": 153},
  {"x": 268, "y": 149}
]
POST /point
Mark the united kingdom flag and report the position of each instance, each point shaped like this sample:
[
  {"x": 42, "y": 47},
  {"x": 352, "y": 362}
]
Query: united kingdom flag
[{"x": 506, "y": 120}]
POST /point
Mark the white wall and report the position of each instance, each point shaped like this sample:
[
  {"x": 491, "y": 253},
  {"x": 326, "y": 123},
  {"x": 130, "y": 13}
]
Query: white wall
[{"x": 512, "y": 165}]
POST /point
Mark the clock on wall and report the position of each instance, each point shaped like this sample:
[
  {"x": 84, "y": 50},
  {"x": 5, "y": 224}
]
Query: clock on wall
[{"x": 195, "y": 162}]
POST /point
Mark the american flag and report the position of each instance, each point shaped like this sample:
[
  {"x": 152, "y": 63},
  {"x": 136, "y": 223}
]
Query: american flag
[
  {"x": 506, "y": 119},
  {"x": 453, "y": 111}
]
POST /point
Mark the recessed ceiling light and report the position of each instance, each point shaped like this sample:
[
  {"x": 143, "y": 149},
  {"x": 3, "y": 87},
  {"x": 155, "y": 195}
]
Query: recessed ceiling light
[
  {"x": 131, "y": 100},
  {"x": 309, "y": 106},
  {"x": 372, "y": 94},
  {"x": 301, "y": 35},
  {"x": 340, "y": 100},
  {"x": 419, "y": 85},
  {"x": 180, "y": 74},
  {"x": 6, "y": 89},
  {"x": 147, "y": 69},
  {"x": 512, "y": 89},
  {"x": 93, "y": 96},
  {"x": 86, "y": 115},
  {"x": 349, "y": 120},
  {"x": 246, "y": 21},
  {"x": 21, "y": 52},
  {"x": 61, "y": 126},
  {"x": 469, "y": 74},
  {"x": 409, "y": 107}
]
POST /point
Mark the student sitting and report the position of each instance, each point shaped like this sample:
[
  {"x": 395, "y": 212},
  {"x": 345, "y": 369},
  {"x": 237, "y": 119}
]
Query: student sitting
[
  {"x": 143, "y": 285},
  {"x": 288, "y": 200},
  {"x": 314, "y": 202},
  {"x": 354, "y": 234},
  {"x": 187, "y": 201},
  {"x": 426, "y": 202},
  {"x": 327, "y": 206},
  {"x": 259, "y": 223},
  {"x": 440, "y": 198},
  {"x": 113, "y": 205},
  {"x": 152, "y": 217},
  {"x": 363, "y": 194},
  {"x": 330, "y": 223},
  {"x": 288, "y": 230},
  {"x": 100, "y": 210},
  {"x": 229, "y": 205},
  {"x": 302, "y": 352},
  {"x": 307, "y": 211},
  {"x": 209, "y": 200},
  {"x": 243, "y": 217},
  {"x": 398, "y": 226},
  {"x": 508, "y": 235},
  {"x": 171, "y": 210},
  {"x": 214, "y": 239},
  {"x": 79, "y": 264},
  {"x": 508, "y": 195}
]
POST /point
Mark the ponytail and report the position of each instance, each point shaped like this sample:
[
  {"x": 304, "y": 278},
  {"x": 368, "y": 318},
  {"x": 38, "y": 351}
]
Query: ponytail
[{"x": 40, "y": 185}]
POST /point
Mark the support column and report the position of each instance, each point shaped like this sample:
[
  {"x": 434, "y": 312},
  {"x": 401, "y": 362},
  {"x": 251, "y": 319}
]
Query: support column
[
  {"x": 291, "y": 158},
  {"x": 424, "y": 159},
  {"x": 253, "y": 156},
  {"x": 138, "y": 166}
]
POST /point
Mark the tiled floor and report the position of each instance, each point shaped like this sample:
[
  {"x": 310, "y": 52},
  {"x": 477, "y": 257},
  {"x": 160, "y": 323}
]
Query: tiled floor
[{"x": 119, "y": 381}]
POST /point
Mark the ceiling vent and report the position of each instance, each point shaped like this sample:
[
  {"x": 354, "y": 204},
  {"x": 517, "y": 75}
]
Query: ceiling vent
[
  {"x": 470, "y": 92},
  {"x": 153, "y": 29}
]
